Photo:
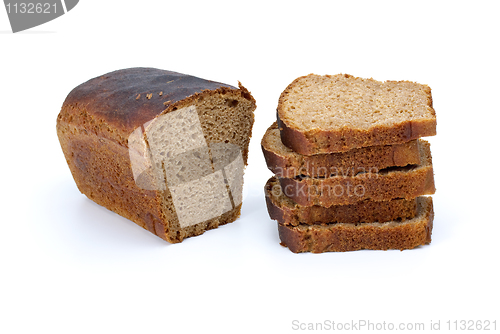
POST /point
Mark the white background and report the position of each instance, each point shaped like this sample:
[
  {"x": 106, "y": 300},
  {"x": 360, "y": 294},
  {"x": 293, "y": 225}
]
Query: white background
[{"x": 70, "y": 266}]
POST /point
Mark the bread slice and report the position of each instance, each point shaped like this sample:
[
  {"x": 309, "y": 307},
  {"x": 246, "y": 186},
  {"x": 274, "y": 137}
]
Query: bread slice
[
  {"x": 342, "y": 237},
  {"x": 287, "y": 212},
  {"x": 337, "y": 113},
  {"x": 163, "y": 149},
  {"x": 284, "y": 162},
  {"x": 394, "y": 182}
]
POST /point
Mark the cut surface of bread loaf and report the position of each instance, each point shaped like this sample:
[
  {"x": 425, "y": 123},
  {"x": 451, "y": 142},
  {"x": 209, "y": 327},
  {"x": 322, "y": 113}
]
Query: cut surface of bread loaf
[
  {"x": 285, "y": 162},
  {"x": 342, "y": 237},
  {"x": 394, "y": 182},
  {"x": 163, "y": 149},
  {"x": 337, "y": 113},
  {"x": 287, "y": 212}
]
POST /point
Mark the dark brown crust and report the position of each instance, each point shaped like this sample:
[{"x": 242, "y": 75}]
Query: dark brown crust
[
  {"x": 350, "y": 237},
  {"x": 318, "y": 141},
  {"x": 115, "y": 104},
  {"x": 372, "y": 158},
  {"x": 286, "y": 212},
  {"x": 120, "y": 98},
  {"x": 404, "y": 182},
  {"x": 93, "y": 128},
  {"x": 95, "y": 164}
]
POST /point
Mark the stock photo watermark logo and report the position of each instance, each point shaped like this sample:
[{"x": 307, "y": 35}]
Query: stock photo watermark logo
[
  {"x": 346, "y": 189},
  {"x": 204, "y": 180},
  {"x": 309, "y": 182},
  {"x": 24, "y": 14}
]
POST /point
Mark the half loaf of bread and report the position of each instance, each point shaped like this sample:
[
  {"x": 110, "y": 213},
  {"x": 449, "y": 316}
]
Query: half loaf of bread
[
  {"x": 163, "y": 149},
  {"x": 337, "y": 113}
]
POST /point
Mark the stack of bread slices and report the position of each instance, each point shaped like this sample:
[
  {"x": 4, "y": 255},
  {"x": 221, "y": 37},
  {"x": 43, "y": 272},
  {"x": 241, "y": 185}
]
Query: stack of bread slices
[{"x": 350, "y": 168}]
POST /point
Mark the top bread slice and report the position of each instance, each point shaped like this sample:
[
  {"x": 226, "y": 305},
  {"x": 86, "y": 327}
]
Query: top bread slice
[
  {"x": 337, "y": 113},
  {"x": 163, "y": 149}
]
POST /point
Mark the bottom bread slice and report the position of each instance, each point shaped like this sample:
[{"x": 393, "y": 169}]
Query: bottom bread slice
[{"x": 343, "y": 237}]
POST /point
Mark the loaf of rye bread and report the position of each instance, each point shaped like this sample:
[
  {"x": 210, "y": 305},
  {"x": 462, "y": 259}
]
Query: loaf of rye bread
[
  {"x": 343, "y": 237},
  {"x": 394, "y": 182},
  {"x": 287, "y": 212},
  {"x": 284, "y": 162},
  {"x": 163, "y": 149},
  {"x": 337, "y": 113}
]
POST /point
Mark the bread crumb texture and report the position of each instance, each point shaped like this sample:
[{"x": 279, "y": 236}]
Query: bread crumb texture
[{"x": 332, "y": 102}]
